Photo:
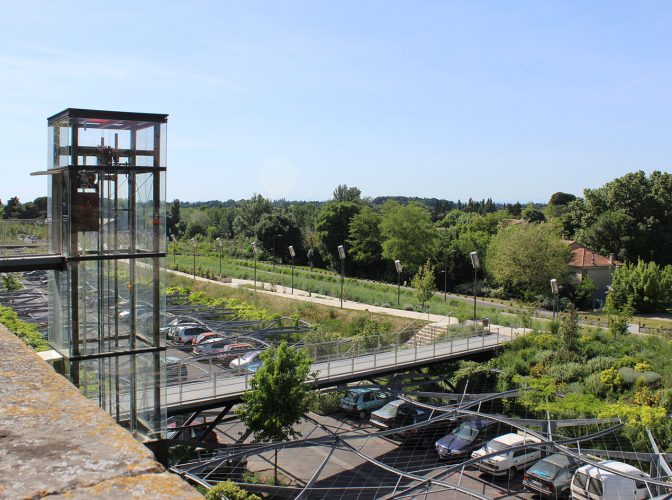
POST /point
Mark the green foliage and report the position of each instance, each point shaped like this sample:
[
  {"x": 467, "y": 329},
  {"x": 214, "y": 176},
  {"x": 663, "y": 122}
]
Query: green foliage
[
  {"x": 248, "y": 213},
  {"x": 424, "y": 283},
  {"x": 333, "y": 226},
  {"x": 345, "y": 193},
  {"x": 365, "y": 240},
  {"x": 11, "y": 282},
  {"x": 525, "y": 257},
  {"x": 644, "y": 286},
  {"x": 408, "y": 234},
  {"x": 531, "y": 214},
  {"x": 25, "y": 331},
  {"x": 584, "y": 293},
  {"x": 278, "y": 396},
  {"x": 569, "y": 329},
  {"x": 628, "y": 216},
  {"x": 228, "y": 490}
]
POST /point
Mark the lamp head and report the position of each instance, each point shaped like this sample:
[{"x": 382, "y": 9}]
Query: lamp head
[
  {"x": 475, "y": 261},
  {"x": 341, "y": 252},
  {"x": 397, "y": 265},
  {"x": 554, "y": 287}
]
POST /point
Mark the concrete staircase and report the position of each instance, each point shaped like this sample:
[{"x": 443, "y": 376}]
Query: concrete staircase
[{"x": 428, "y": 333}]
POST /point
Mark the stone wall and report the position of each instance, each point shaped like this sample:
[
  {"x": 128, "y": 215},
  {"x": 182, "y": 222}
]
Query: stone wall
[{"x": 54, "y": 442}]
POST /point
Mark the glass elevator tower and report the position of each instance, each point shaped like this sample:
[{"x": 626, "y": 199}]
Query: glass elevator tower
[{"x": 107, "y": 219}]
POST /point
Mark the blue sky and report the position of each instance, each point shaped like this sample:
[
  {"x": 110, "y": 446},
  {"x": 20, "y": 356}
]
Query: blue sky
[{"x": 511, "y": 100}]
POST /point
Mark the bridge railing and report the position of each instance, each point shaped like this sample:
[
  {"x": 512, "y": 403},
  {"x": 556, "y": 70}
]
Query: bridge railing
[
  {"x": 338, "y": 360},
  {"x": 23, "y": 237}
]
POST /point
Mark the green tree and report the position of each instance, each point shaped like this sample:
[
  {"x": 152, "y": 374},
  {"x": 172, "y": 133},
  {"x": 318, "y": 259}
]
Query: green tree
[
  {"x": 523, "y": 258},
  {"x": 332, "y": 227},
  {"x": 558, "y": 204},
  {"x": 365, "y": 240},
  {"x": 173, "y": 217},
  {"x": 408, "y": 234},
  {"x": 278, "y": 396},
  {"x": 424, "y": 283},
  {"x": 345, "y": 193},
  {"x": 629, "y": 216},
  {"x": 569, "y": 329},
  {"x": 531, "y": 214},
  {"x": 644, "y": 286},
  {"x": 248, "y": 213},
  {"x": 277, "y": 230}
]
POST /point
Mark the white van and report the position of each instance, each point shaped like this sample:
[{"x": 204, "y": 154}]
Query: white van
[
  {"x": 594, "y": 483},
  {"x": 507, "y": 463}
]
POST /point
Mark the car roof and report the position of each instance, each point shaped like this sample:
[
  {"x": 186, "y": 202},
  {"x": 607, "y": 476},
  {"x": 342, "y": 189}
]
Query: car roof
[
  {"x": 362, "y": 390},
  {"x": 512, "y": 439},
  {"x": 559, "y": 459},
  {"x": 594, "y": 471}
]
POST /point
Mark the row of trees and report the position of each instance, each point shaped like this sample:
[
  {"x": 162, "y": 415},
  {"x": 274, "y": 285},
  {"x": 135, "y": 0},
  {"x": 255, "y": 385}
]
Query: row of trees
[{"x": 14, "y": 209}]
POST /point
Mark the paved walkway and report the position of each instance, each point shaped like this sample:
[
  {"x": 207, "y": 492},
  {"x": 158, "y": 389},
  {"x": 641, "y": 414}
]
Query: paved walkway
[{"x": 286, "y": 292}]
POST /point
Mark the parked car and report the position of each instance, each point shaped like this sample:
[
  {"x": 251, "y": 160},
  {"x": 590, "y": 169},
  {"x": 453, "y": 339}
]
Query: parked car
[
  {"x": 467, "y": 437},
  {"x": 222, "y": 351},
  {"x": 438, "y": 424},
  {"x": 385, "y": 417},
  {"x": 362, "y": 401},
  {"x": 140, "y": 309},
  {"x": 245, "y": 359},
  {"x": 507, "y": 463},
  {"x": 594, "y": 483},
  {"x": 550, "y": 477},
  {"x": 172, "y": 326},
  {"x": 186, "y": 334},
  {"x": 207, "y": 336},
  {"x": 176, "y": 371}
]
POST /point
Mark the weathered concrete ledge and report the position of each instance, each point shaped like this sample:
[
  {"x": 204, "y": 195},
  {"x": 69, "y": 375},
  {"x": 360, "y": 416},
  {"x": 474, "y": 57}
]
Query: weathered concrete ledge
[{"x": 55, "y": 442}]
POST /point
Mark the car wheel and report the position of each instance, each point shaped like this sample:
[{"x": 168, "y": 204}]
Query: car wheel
[
  {"x": 363, "y": 414},
  {"x": 511, "y": 474}
]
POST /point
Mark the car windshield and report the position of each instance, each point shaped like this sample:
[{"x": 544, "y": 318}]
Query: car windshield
[
  {"x": 495, "y": 445},
  {"x": 352, "y": 395},
  {"x": 465, "y": 432},
  {"x": 250, "y": 355},
  {"x": 545, "y": 469}
]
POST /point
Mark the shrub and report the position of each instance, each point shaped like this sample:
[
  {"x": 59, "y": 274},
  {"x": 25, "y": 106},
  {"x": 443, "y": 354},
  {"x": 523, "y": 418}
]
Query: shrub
[
  {"x": 567, "y": 372},
  {"x": 599, "y": 363},
  {"x": 628, "y": 375},
  {"x": 25, "y": 331},
  {"x": 229, "y": 490}
]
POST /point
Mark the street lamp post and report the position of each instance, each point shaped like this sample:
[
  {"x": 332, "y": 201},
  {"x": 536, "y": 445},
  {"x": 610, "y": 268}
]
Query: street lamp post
[
  {"x": 397, "y": 265},
  {"x": 254, "y": 253},
  {"x": 555, "y": 291},
  {"x": 341, "y": 255},
  {"x": 292, "y": 254},
  {"x": 273, "y": 262},
  {"x": 445, "y": 282},
  {"x": 193, "y": 243},
  {"x": 476, "y": 264},
  {"x": 172, "y": 237},
  {"x": 220, "y": 242}
]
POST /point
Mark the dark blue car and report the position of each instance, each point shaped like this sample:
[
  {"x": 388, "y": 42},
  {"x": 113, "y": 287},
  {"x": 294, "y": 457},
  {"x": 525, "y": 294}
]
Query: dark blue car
[{"x": 467, "y": 437}]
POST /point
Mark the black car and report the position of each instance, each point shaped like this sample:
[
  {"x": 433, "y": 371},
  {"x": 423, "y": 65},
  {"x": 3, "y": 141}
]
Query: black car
[
  {"x": 467, "y": 437},
  {"x": 551, "y": 477},
  {"x": 408, "y": 414}
]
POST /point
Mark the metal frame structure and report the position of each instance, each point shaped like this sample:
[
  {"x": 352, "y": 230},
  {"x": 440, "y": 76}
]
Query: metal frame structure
[
  {"x": 106, "y": 219},
  {"x": 424, "y": 482}
]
